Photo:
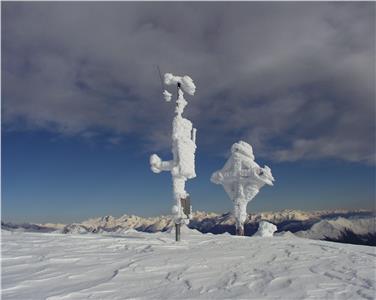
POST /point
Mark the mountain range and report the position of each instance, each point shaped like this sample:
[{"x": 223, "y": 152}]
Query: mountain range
[{"x": 349, "y": 226}]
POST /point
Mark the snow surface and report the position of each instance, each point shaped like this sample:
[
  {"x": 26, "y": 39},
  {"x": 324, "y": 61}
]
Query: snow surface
[{"x": 202, "y": 266}]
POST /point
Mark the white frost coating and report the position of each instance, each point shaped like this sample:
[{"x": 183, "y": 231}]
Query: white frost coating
[
  {"x": 186, "y": 82},
  {"x": 182, "y": 166},
  {"x": 242, "y": 178},
  {"x": 167, "y": 96},
  {"x": 266, "y": 229}
]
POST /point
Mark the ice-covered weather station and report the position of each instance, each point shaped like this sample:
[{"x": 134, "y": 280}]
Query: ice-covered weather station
[
  {"x": 242, "y": 178},
  {"x": 182, "y": 165}
]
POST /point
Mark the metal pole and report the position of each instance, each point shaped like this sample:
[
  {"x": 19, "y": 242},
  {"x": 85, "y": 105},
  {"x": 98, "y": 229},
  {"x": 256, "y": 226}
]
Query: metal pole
[
  {"x": 177, "y": 232},
  {"x": 177, "y": 226},
  {"x": 240, "y": 230}
]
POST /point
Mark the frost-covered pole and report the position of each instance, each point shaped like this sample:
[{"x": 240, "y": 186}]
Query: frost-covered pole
[
  {"x": 242, "y": 178},
  {"x": 182, "y": 166}
]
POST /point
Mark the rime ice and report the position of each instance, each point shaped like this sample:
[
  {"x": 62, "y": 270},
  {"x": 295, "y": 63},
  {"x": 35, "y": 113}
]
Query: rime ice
[
  {"x": 185, "y": 82},
  {"x": 242, "y": 178},
  {"x": 182, "y": 166},
  {"x": 266, "y": 229}
]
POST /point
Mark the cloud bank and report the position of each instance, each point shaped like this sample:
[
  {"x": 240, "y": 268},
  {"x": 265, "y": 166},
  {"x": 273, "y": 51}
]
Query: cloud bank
[{"x": 296, "y": 80}]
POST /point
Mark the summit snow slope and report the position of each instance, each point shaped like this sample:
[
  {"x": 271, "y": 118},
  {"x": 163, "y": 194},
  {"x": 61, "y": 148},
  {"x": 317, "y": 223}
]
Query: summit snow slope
[{"x": 141, "y": 265}]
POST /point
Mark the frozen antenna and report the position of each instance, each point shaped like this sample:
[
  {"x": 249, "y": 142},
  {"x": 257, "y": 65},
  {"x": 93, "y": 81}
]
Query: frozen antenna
[{"x": 160, "y": 77}]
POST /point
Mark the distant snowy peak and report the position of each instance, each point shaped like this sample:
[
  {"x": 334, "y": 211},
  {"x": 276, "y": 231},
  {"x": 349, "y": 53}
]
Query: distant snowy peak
[
  {"x": 111, "y": 223},
  {"x": 284, "y": 215},
  {"x": 75, "y": 229},
  {"x": 334, "y": 228},
  {"x": 298, "y": 215},
  {"x": 31, "y": 227}
]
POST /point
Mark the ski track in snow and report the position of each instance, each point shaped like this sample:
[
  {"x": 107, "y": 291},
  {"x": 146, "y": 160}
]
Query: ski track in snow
[{"x": 154, "y": 266}]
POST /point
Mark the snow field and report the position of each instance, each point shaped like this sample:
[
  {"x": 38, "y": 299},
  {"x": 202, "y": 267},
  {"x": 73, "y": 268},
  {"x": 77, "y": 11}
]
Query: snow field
[{"x": 202, "y": 266}]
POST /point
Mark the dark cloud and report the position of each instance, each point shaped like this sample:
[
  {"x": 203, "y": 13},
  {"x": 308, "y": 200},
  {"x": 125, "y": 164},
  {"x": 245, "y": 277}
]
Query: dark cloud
[{"x": 294, "y": 79}]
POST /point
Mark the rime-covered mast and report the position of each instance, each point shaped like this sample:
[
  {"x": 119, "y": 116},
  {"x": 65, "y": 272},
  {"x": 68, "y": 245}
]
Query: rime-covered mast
[
  {"x": 182, "y": 166},
  {"x": 242, "y": 178}
]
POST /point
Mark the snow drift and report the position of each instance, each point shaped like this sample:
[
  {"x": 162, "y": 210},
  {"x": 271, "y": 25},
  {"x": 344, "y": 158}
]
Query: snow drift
[
  {"x": 266, "y": 229},
  {"x": 141, "y": 265}
]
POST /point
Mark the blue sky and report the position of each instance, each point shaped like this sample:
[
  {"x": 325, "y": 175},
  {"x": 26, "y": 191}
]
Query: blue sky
[
  {"x": 49, "y": 178},
  {"x": 82, "y": 108}
]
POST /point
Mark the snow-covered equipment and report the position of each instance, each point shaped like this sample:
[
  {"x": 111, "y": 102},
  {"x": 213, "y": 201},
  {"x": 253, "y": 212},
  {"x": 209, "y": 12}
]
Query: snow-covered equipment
[
  {"x": 265, "y": 229},
  {"x": 182, "y": 166},
  {"x": 242, "y": 178}
]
